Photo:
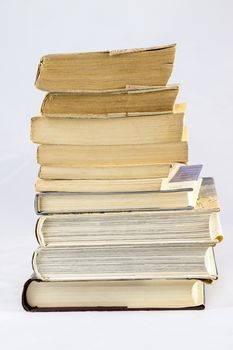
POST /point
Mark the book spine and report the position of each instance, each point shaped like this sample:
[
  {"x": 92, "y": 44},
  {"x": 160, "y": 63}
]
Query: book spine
[
  {"x": 37, "y": 204},
  {"x": 38, "y": 231},
  {"x": 24, "y": 300},
  {"x": 34, "y": 265}
]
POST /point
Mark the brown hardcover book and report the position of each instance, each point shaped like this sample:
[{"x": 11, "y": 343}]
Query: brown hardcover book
[
  {"x": 128, "y": 100},
  {"x": 112, "y": 295},
  {"x": 105, "y": 70}
]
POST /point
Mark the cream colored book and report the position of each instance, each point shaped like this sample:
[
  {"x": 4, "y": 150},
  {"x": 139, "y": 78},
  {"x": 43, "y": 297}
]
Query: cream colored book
[
  {"x": 122, "y": 185},
  {"x": 105, "y": 70},
  {"x": 77, "y": 202},
  {"x": 131, "y": 185},
  {"x": 198, "y": 226},
  {"x": 125, "y": 130},
  {"x": 115, "y": 155},
  {"x": 138, "y": 227},
  {"x": 124, "y": 262},
  {"x": 104, "y": 173},
  {"x": 112, "y": 295},
  {"x": 127, "y": 100}
]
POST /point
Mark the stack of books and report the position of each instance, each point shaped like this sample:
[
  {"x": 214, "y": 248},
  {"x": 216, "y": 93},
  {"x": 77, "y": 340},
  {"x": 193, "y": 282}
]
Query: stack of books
[{"x": 125, "y": 223}]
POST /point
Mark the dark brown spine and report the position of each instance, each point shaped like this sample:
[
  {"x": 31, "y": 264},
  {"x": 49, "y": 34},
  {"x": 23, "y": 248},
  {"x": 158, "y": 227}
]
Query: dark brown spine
[
  {"x": 24, "y": 301},
  {"x": 36, "y": 203}
]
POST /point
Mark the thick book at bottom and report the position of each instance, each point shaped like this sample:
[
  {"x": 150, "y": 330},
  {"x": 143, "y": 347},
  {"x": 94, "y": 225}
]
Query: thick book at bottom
[{"x": 112, "y": 295}]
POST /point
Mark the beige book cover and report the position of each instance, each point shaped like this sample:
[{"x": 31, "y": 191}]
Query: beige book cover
[{"x": 105, "y": 70}]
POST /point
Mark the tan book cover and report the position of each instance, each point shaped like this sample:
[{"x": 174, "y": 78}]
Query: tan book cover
[
  {"x": 108, "y": 131},
  {"x": 128, "y": 100},
  {"x": 105, "y": 70},
  {"x": 115, "y": 155}
]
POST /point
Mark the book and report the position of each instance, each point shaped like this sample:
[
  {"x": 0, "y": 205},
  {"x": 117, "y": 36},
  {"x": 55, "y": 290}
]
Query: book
[
  {"x": 128, "y": 100},
  {"x": 160, "y": 227},
  {"x": 200, "y": 225},
  {"x": 65, "y": 202},
  {"x": 126, "y": 130},
  {"x": 77, "y": 202},
  {"x": 112, "y": 295},
  {"x": 105, "y": 173},
  {"x": 105, "y": 70},
  {"x": 174, "y": 180},
  {"x": 115, "y": 155},
  {"x": 96, "y": 186},
  {"x": 125, "y": 262}
]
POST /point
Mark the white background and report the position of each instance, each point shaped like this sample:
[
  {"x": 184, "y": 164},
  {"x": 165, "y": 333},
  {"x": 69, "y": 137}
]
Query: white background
[{"x": 29, "y": 29}]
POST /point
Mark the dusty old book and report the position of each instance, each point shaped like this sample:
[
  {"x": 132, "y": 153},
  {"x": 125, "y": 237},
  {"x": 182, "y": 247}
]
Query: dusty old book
[
  {"x": 112, "y": 295},
  {"x": 105, "y": 173},
  {"x": 189, "y": 173},
  {"x": 125, "y": 262},
  {"x": 200, "y": 225},
  {"x": 105, "y": 70},
  {"x": 128, "y": 100},
  {"x": 114, "y": 155},
  {"x": 114, "y": 130}
]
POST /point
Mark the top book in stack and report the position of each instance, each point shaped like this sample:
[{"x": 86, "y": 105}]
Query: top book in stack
[{"x": 107, "y": 70}]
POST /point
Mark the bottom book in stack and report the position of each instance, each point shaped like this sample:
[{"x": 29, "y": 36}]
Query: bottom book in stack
[
  {"x": 125, "y": 260},
  {"x": 113, "y": 295}
]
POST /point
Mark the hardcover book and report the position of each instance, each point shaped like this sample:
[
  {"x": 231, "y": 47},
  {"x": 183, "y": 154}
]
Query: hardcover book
[
  {"x": 125, "y": 262},
  {"x": 112, "y": 295}
]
